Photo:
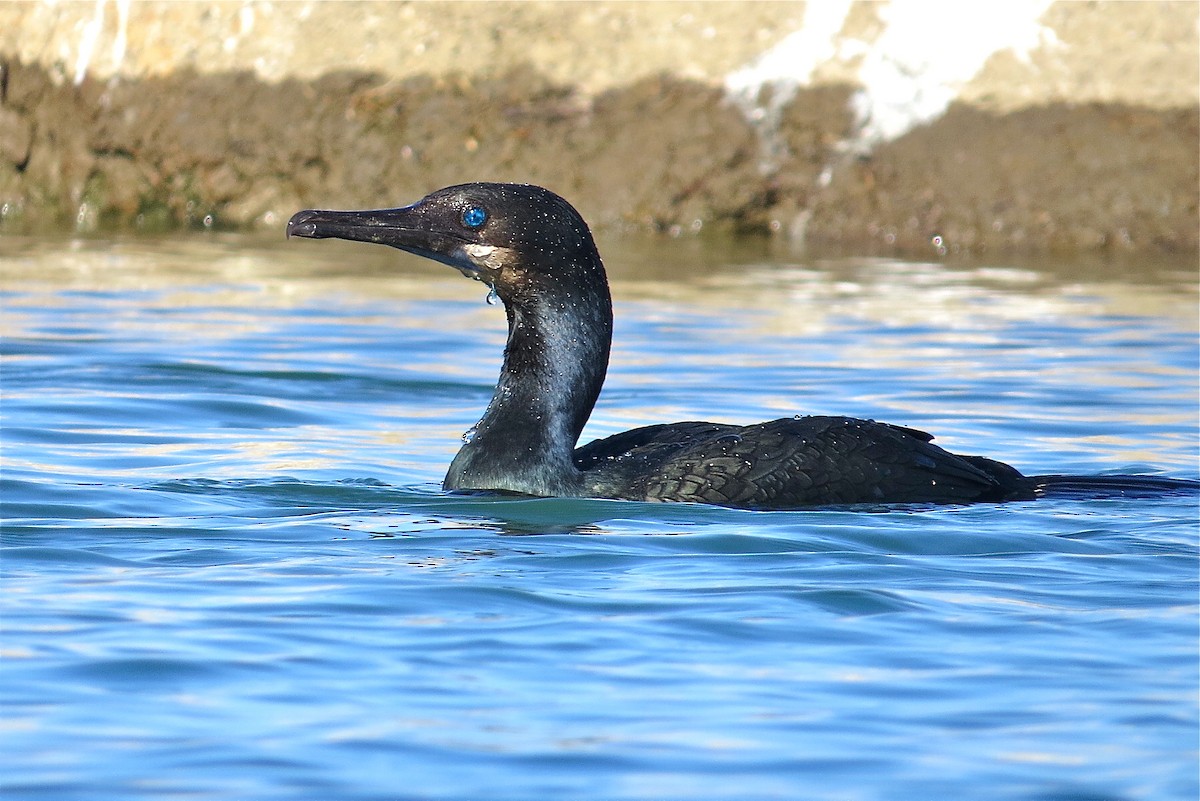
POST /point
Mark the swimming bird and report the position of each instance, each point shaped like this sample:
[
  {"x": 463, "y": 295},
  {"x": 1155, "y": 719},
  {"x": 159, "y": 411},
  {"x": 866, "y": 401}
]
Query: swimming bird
[{"x": 537, "y": 254}]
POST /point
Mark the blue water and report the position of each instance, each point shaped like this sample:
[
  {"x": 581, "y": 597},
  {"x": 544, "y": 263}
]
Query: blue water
[{"x": 229, "y": 573}]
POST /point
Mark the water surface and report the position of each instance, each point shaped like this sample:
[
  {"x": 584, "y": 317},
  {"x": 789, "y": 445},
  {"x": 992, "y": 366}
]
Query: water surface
[{"x": 229, "y": 573}]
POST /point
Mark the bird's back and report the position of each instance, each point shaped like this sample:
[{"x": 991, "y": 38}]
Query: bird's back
[{"x": 788, "y": 463}]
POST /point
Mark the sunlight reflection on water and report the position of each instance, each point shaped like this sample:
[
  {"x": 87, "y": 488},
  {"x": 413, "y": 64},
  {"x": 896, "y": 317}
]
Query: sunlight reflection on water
[{"x": 229, "y": 571}]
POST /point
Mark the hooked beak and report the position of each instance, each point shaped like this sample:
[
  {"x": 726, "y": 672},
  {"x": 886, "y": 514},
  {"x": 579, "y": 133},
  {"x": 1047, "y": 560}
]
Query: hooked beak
[{"x": 405, "y": 228}]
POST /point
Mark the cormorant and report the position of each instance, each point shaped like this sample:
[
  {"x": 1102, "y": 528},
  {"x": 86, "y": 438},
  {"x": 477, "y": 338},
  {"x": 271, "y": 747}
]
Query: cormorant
[{"x": 536, "y": 253}]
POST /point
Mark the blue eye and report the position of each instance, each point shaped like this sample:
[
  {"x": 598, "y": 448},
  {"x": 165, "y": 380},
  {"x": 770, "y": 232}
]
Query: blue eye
[{"x": 474, "y": 217}]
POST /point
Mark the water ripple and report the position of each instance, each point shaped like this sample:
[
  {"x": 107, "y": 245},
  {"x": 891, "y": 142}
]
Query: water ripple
[{"x": 229, "y": 571}]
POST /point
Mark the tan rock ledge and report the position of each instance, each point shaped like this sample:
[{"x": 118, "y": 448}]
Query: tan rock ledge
[{"x": 1028, "y": 124}]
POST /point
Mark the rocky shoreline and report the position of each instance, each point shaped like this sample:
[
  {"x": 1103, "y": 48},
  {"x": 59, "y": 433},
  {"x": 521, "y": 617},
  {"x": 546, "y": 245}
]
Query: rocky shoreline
[{"x": 664, "y": 152}]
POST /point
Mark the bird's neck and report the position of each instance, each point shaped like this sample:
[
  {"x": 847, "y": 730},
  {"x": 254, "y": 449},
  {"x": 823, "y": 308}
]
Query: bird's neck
[{"x": 554, "y": 366}]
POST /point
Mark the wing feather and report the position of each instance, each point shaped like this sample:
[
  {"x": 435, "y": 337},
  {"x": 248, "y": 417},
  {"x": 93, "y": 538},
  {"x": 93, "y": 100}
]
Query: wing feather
[{"x": 785, "y": 463}]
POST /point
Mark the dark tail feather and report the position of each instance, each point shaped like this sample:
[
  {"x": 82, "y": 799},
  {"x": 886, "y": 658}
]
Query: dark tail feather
[{"x": 1113, "y": 486}]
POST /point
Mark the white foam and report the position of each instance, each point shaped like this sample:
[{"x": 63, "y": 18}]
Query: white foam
[
  {"x": 929, "y": 50},
  {"x": 122, "y": 37},
  {"x": 87, "y": 41},
  {"x": 926, "y": 53},
  {"x": 785, "y": 67},
  {"x": 793, "y": 61},
  {"x": 90, "y": 36}
]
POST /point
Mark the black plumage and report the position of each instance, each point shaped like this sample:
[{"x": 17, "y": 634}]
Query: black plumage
[
  {"x": 801, "y": 461},
  {"x": 538, "y": 255}
]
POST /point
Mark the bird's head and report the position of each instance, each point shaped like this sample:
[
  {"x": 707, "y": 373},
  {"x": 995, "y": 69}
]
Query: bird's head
[{"x": 513, "y": 237}]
